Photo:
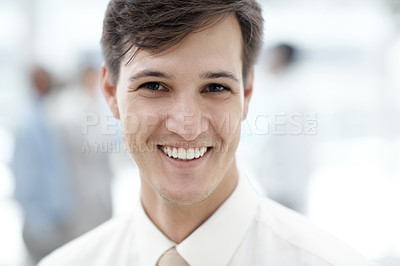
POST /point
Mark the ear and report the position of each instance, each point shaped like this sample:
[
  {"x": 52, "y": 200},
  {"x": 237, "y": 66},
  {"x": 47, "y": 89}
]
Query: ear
[
  {"x": 248, "y": 91},
  {"x": 109, "y": 91}
]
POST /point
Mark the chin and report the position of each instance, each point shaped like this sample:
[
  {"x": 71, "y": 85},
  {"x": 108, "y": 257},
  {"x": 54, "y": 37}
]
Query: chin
[{"x": 185, "y": 197}]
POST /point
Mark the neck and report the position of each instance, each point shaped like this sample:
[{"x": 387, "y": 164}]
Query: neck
[{"x": 178, "y": 221}]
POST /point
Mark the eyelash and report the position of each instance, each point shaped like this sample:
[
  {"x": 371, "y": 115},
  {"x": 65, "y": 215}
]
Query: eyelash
[
  {"x": 205, "y": 90},
  {"x": 145, "y": 86},
  {"x": 224, "y": 88}
]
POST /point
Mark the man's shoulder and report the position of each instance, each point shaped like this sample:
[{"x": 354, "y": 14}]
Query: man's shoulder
[
  {"x": 300, "y": 234},
  {"x": 88, "y": 248}
]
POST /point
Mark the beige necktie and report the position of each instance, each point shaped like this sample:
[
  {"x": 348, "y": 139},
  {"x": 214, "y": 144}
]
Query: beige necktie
[{"x": 171, "y": 257}]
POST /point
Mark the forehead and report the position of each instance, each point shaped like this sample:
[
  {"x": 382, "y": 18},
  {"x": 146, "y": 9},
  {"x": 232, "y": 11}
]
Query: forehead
[{"x": 218, "y": 47}]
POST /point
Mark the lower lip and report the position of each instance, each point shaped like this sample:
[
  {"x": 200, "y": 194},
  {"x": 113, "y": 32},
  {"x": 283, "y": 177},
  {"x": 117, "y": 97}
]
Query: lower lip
[{"x": 185, "y": 164}]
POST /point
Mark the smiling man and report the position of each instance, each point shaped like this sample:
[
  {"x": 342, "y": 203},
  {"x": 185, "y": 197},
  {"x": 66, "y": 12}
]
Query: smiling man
[{"x": 179, "y": 76}]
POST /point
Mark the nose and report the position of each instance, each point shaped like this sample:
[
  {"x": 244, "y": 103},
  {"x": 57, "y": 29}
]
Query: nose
[{"x": 186, "y": 119}]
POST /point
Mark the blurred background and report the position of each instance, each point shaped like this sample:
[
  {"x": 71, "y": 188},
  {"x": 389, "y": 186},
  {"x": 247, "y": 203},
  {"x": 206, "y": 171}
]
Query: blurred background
[{"x": 322, "y": 135}]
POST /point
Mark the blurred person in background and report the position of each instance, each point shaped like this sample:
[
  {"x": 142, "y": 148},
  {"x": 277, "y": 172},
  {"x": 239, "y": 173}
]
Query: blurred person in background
[
  {"x": 80, "y": 114},
  {"x": 285, "y": 155},
  {"x": 63, "y": 190},
  {"x": 42, "y": 185},
  {"x": 281, "y": 58}
]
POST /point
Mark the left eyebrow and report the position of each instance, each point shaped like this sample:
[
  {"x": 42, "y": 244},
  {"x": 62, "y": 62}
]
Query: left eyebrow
[
  {"x": 149, "y": 73},
  {"x": 219, "y": 74}
]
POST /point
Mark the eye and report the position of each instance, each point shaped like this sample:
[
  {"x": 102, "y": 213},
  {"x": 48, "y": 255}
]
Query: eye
[
  {"x": 216, "y": 88},
  {"x": 153, "y": 86}
]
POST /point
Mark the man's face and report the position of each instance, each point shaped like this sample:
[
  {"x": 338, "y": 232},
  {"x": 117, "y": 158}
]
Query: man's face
[{"x": 181, "y": 112}]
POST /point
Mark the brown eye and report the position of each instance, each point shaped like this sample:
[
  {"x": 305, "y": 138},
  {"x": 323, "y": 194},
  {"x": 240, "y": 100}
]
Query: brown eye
[
  {"x": 151, "y": 86},
  {"x": 215, "y": 88}
]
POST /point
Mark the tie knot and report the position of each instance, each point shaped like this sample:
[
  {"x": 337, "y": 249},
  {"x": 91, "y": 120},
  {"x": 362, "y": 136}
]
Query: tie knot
[{"x": 171, "y": 257}]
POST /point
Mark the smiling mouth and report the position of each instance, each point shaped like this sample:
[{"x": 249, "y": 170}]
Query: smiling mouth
[{"x": 184, "y": 154}]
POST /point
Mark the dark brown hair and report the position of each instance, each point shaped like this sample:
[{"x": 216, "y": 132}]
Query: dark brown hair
[{"x": 156, "y": 25}]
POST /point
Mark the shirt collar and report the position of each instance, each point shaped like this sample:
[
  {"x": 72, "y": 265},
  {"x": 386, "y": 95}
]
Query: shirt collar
[
  {"x": 217, "y": 239},
  {"x": 151, "y": 242},
  {"x": 214, "y": 242}
]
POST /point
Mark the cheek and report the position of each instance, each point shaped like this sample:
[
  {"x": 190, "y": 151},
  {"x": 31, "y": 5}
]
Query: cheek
[
  {"x": 141, "y": 119},
  {"x": 227, "y": 118},
  {"x": 130, "y": 119}
]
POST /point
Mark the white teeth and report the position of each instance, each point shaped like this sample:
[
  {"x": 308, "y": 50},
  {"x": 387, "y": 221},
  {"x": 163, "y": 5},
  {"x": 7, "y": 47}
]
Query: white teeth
[
  {"x": 174, "y": 153},
  {"x": 183, "y": 154},
  {"x": 190, "y": 154},
  {"x": 196, "y": 153}
]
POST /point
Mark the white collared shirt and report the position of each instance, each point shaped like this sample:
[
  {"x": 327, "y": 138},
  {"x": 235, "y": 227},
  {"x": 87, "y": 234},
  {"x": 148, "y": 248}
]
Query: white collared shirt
[{"x": 245, "y": 230}]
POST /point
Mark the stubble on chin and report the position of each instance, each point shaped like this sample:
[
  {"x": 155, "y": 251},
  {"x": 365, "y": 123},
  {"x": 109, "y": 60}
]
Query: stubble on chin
[{"x": 183, "y": 198}]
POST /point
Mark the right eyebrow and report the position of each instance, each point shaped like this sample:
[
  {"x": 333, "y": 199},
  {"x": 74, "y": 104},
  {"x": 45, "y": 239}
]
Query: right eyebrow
[{"x": 149, "y": 73}]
